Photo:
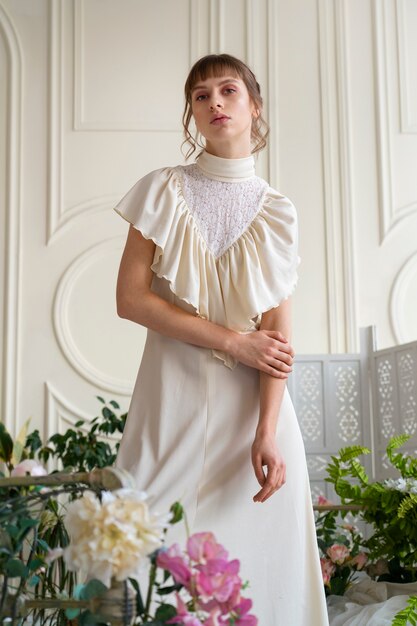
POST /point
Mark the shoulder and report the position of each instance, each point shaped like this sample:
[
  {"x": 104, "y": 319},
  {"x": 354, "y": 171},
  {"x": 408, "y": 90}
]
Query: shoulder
[{"x": 280, "y": 206}]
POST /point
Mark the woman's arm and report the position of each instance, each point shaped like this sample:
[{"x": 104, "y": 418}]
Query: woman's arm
[
  {"x": 271, "y": 391},
  {"x": 136, "y": 302}
]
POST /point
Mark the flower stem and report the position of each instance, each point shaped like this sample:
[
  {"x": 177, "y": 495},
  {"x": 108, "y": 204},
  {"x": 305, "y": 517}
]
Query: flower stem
[{"x": 152, "y": 578}]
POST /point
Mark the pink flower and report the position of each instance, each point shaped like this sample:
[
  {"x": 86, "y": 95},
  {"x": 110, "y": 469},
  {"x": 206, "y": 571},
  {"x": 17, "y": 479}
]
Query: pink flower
[
  {"x": 327, "y": 569},
  {"x": 203, "y": 546},
  {"x": 173, "y": 561},
  {"x": 183, "y": 616},
  {"x": 218, "y": 579},
  {"x": 52, "y": 555},
  {"x": 338, "y": 553},
  {"x": 323, "y": 501},
  {"x": 242, "y": 610},
  {"x": 29, "y": 466},
  {"x": 359, "y": 560}
]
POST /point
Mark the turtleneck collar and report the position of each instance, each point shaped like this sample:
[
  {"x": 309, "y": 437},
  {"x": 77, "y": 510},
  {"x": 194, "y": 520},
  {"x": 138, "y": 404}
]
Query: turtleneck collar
[{"x": 227, "y": 170}]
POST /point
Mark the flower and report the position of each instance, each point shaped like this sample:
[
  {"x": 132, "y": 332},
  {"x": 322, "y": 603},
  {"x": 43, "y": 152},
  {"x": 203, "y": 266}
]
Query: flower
[
  {"x": 111, "y": 538},
  {"x": 203, "y": 546},
  {"x": 218, "y": 579},
  {"x": 183, "y": 616},
  {"x": 172, "y": 560},
  {"x": 359, "y": 560},
  {"x": 327, "y": 569},
  {"x": 52, "y": 555},
  {"x": 338, "y": 553},
  {"x": 29, "y": 466},
  {"x": 323, "y": 501}
]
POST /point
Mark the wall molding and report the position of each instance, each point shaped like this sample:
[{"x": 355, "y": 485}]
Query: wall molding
[
  {"x": 330, "y": 142},
  {"x": 390, "y": 216},
  {"x": 273, "y": 92},
  {"x": 58, "y": 216},
  {"x": 12, "y": 314},
  {"x": 398, "y": 299},
  {"x": 352, "y": 343},
  {"x": 79, "y": 122},
  {"x": 69, "y": 348},
  {"x": 408, "y": 123}
]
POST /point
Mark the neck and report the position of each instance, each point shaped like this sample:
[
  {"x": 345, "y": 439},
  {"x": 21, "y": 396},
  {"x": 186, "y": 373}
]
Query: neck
[
  {"x": 229, "y": 150},
  {"x": 226, "y": 169}
]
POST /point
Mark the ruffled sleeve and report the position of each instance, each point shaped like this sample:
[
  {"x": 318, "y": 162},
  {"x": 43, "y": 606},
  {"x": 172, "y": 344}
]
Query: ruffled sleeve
[{"x": 255, "y": 274}]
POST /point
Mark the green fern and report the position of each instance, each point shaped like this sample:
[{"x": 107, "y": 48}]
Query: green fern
[
  {"x": 358, "y": 470},
  {"x": 408, "y": 615},
  {"x": 408, "y": 504},
  {"x": 397, "y": 442},
  {"x": 351, "y": 452}
]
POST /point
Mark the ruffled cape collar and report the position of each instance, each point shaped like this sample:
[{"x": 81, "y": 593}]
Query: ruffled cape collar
[{"x": 229, "y": 170}]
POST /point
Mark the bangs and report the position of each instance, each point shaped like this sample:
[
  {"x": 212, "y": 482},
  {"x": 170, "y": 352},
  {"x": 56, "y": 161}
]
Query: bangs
[{"x": 211, "y": 67}]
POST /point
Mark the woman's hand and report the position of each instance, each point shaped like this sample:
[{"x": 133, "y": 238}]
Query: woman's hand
[
  {"x": 265, "y": 452},
  {"x": 266, "y": 350}
]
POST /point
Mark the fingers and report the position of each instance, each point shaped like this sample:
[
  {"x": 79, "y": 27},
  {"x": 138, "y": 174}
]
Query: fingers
[
  {"x": 276, "y": 477},
  {"x": 259, "y": 472}
]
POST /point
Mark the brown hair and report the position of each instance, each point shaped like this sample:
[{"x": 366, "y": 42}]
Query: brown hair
[{"x": 214, "y": 65}]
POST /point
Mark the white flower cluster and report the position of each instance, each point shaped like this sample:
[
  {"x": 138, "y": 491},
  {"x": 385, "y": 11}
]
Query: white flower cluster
[
  {"x": 407, "y": 485},
  {"x": 112, "y": 538}
]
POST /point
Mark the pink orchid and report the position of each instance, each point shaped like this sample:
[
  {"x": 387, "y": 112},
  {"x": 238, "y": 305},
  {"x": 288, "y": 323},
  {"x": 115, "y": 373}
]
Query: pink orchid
[
  {"x": 327, "y": 569},
  {"x": 183, "y": 616},
  {"x": 173, "y": 561},
  {"x": 323, "y": 501},
  {"x": 242, "y": 610},
  {"x": 29, "y": 466},
  {"x": 338, "y": 553},
  {"x": 203, "y": 546},
  {"x": 218, "y": 578},
  {"x": 359, "y": 560}
]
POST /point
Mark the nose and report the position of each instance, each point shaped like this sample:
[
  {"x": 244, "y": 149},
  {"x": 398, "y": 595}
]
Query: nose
[{"x": 215, "y": 102}]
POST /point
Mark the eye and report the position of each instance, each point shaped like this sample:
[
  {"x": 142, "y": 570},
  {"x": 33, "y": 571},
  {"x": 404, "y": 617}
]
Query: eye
[
  {"x": 230, "y": 89},
  {"x": 200, "y": 96}
]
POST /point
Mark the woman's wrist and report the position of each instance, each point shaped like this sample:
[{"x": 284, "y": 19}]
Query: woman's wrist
[
  {"x": 231, "y": 342},
  {"x": 266, "y": 428}
]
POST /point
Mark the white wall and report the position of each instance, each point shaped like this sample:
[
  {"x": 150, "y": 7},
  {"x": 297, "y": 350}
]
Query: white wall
[{"x": 93, "y": 100}]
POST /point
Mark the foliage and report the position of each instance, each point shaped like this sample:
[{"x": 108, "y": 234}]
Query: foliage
[
  {"x": 389, "y": 506},
  {"x": 341, "y": 553},
  {"x": 32, "y": 518},
  {"x": 82, "y": 448},
  {"x": 408, "y": 615}
]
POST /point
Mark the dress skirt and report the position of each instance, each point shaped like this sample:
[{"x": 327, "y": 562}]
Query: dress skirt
[{"x": 188, "y": 437}]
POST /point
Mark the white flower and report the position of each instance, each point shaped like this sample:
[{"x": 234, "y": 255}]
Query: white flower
[
  {"x": 112, "y": 538},
  {"x": 402, "y": 484},
  {"x": 29, "y": 466}
]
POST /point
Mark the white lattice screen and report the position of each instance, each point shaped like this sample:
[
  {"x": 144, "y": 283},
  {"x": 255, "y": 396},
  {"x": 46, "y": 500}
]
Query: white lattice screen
[{"x": 345, "y": 399}]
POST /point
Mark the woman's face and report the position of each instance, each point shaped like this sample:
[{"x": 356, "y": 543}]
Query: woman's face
[{"x": 225, "y": 97}]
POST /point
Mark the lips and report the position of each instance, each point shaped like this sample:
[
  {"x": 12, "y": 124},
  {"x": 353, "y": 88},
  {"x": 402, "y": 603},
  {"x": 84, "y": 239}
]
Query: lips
[{"x": 220, "y": 117}]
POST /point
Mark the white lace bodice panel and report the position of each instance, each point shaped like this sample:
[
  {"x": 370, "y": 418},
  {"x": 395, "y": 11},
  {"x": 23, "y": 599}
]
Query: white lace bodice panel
[{"x": 222, "y": 210}]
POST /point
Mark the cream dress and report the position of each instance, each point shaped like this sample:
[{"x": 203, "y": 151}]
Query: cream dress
[{"x": 226, "y": 250}]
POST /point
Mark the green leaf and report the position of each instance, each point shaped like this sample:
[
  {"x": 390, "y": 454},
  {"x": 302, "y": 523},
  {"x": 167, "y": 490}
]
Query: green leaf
[
  {"x": 16, "y": 569},
  {"x": 165, "y": 611},
  {"x": 33, "y": 581},
  {"x": 178, "y": 512},
  {"x": 101, "y": 399},
  {"x": 34, "y": 564},
  {"x": 72, "y": 613},
  {"x": 408, "y": 504},
  {"x": 19, "y": 443},
  {"x": 93, "y": 589},
  {"x": 163, "y": 591},
  {"x": 6, "y": 444}
]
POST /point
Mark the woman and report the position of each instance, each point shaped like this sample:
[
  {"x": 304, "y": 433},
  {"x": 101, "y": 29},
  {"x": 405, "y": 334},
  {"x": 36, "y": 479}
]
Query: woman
[{"x": 209, "y": 266}]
